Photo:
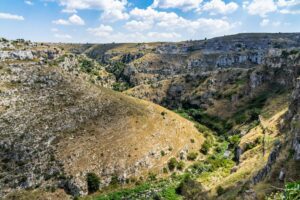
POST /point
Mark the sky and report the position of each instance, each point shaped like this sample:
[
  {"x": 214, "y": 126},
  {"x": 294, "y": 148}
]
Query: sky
[{"x": 106, "y": 21}]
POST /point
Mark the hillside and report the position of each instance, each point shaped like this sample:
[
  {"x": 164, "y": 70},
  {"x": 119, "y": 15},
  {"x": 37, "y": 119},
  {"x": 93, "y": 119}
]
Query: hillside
[{"x": 56, "y": 126}]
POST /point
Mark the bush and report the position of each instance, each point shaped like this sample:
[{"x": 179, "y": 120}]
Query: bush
[
  {"x": 114, "y": 180},
  {"x": 86, "y": 66},
  {"x": 291, "y": 192},
  {"x": 215, "y": 123},
  {"x": 200, "y": 167},
  {"x": 180, "y": 165},
  {"x": 151, "y": 176},
  {"x": 120, "y": 87},
  {"x": 249, "y": 145},
  {"x": 192, "y": 156},
  {"x": 220, "y": 190},
  {"x": 206, "y": 146},
  {"x": 216, "y": 163},
  {"x": 172, "y": 164},
  {"x": 93, "y": 182},
  {"x": 190, "y": 188},
  {"x": 165, "y": 170},
  {"x": 234, "y": 140},
  {"x": 117, "y": 69},
  {"x": 284, "y": 54},
  {"x": 162, "y": 153}
]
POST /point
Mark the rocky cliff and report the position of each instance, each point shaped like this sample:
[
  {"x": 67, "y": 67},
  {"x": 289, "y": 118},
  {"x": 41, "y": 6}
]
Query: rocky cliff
[{"x": 149, "y": 63}]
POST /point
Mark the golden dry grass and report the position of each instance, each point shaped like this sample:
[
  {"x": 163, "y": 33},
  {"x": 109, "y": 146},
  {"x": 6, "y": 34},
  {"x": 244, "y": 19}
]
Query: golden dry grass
[{"x": 126, "y": 139}]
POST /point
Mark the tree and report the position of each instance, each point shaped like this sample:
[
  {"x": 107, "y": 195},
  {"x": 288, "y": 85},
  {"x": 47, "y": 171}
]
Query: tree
[
  {"x": 192, "y": 156},
  {"x": 93, "y": 182},
  {"x": 172, "y": 164}
]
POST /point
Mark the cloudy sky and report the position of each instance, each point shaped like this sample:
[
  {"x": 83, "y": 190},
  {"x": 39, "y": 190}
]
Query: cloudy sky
[{"x": 106, "y": 21}]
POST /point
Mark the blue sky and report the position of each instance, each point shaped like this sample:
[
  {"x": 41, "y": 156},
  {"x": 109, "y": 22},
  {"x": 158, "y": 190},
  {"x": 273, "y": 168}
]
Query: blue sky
[{"x": 105, "y": 21}]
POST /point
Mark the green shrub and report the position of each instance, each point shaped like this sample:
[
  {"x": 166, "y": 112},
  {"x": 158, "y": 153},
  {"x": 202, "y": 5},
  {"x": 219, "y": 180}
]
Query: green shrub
[
  {"x": 220, "y": 190},
  {"x": 151, "y": 176},
  {"x": 249, "y": 145},
  {"x": 120, "y": 87},
  {"x": 117, "y": 69},
  {"x": 291, "y": 192},
  {"x": 259, "y": 140},
  {"x": 114, "y": 180},
  {"x": 234, "y": 140},
  {"x": 206, "y": 146},
  {"x": 165, "y": 170},
  {"x": 172, "y": 164},
  {"x": 199, "y": 167},
  {"x": 168, "y": 193},
  {"x": 253, "y": 107},
  {"x": 284, "y": 54},
  {"x": 93, "y": 182},
  {"x": 216, "y": 163},
  {"x": 162, "y": 153},
  {"x": 180, "y": 165},
  {"x": 207, "y": 122},
  {"x": 86, "y": 66},
  {"x": 192, "y": 156},
  {"x": 203, "y": 129},
  {"x": 190, "y": 188}
]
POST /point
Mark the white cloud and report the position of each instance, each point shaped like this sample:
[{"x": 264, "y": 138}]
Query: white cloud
[
  {"x": 112, "y": 9},
  {"x": 149, "y": 24},
  {"x": 62, "y": 36},
  {"x": 11, "y": 16},
  {"x": 76, "y": 20},
  {"x": 262, "y": 8},
  {"x": 73, "y": 20},
  {"x": 150, "y": 14},
  {"x": 264, "y": 22},
  {"x": 101, "y": 31},
  {"x": 114, "y": 15},
  {"x": 171, "y": 21},
  {"x": 29, "y": 3},
  {"x": 181, "y": 4},
  {"x": 138, "y": 25},
  {"x": 61, "y": 22},
  {"x": 169, "y": 30},
  {"x": 289, "y": 6},
  {"x": 219, "y": 6},
  {"x": 68, "y": 11},
  {"x": 288, "y": 3}
]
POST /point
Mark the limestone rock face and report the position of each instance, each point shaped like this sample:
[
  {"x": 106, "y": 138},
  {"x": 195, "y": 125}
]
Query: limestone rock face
[
  {"x": 295, "y": 128},
  {"x": 17, "y": 55},
  {"x": 262, "y": 173},
  {"x": 146, "y": 64}
]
